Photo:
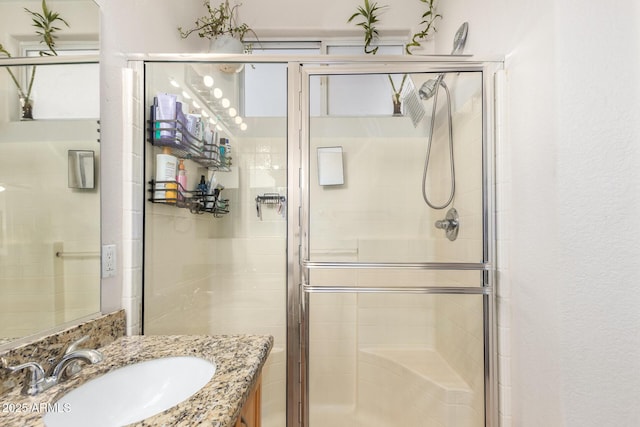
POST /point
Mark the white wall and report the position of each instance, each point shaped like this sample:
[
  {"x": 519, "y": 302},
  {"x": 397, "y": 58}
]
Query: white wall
[{"x": 569, "y": 182}]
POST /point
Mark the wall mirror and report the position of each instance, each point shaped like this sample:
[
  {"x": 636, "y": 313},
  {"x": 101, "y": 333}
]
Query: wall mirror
[{"x": 49, "y": 229}]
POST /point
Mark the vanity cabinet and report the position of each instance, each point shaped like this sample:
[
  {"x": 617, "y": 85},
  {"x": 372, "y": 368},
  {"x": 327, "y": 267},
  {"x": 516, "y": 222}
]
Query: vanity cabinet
[{"x": 250, "y": 413}]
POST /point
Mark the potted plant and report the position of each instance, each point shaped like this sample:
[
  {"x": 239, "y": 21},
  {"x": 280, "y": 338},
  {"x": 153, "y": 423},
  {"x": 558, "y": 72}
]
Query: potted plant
[
  {"x": 221, "y": 26},
  {"x": 428, "y": 20},
  {"x": 46, "y": 29}
]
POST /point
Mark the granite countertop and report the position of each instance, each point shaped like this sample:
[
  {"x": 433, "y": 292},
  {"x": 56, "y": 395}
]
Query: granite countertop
[{"x": 239, "y": 360}]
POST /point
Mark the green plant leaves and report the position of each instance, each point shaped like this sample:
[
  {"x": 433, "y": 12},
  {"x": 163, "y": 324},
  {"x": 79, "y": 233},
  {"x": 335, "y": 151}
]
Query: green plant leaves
[
  {"x": 369, "y": 14},
  {"x": 220, "y": 20},
  {"x": 46, "y": 29},
  {"x": 45, "y": 24},
  {"x": 429, "y": 18}
]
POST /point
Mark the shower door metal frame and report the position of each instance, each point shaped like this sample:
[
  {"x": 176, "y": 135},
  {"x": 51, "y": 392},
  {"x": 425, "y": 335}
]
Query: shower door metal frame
[{"x": 299, "y": 263}]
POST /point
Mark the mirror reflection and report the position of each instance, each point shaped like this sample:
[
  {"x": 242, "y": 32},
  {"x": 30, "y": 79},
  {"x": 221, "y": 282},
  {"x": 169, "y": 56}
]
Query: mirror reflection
[{"x": 49, "y": 229}]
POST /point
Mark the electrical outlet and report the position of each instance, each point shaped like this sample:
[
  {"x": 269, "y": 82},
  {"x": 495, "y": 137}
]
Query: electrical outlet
[{"x": 108, "y": 261}]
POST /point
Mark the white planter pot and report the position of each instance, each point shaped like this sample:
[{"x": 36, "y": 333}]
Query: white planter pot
[
  {"x": 226, "y": 44},
  {"x": 229, "y": 45}
]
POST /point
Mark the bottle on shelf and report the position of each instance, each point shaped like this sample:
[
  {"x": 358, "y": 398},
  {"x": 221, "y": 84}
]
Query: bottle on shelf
[
  {"x": 166, "y": 167},
  {"x": 182, "y": 179},
  {"x": 202, "y": 186}
]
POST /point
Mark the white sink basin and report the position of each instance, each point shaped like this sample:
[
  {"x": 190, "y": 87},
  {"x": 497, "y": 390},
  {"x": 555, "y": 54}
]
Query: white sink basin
[{"x": 132, "y": 393}]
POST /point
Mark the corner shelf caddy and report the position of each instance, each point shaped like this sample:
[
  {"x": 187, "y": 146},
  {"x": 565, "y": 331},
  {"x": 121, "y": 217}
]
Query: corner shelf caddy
[{"x": 184, "y": 145}]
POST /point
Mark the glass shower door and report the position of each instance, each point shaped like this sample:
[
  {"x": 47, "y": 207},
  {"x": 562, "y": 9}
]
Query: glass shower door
[{"x": 394, "y": 311}]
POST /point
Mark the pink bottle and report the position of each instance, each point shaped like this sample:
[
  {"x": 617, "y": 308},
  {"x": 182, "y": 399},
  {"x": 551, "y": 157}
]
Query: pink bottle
[{"x": 182, "y": 180}]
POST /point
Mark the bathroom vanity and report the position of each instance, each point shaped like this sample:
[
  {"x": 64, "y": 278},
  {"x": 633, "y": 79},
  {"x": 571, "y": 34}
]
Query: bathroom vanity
[{"x": 230, "y": 399}]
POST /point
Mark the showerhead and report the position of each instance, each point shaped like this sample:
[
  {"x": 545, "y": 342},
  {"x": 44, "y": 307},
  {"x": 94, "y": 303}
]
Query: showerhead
[
  {"x": 460, "y": 39},
  {"x": 428, "y": 88}
]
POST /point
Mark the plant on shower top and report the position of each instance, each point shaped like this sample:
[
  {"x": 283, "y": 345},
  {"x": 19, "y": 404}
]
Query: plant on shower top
[
  {"x": 46, "y": 29},
  {"x": 220, "y": 20},
  {"x": 369, "y": 14},
  {"x": 429, "y": 21}
]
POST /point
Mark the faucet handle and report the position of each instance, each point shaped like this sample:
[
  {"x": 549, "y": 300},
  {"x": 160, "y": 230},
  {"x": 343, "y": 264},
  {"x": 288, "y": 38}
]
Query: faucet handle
[{"x": 33, "y": 378}]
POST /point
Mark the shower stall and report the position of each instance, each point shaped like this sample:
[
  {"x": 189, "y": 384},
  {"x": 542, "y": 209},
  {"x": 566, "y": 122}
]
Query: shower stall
[{"x": 324, "y": 240}]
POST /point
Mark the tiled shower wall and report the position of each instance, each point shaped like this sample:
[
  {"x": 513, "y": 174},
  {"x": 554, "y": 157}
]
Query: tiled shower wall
[
  {"x": 222, "y": 275},
  {"x": 206, "y": 275}
]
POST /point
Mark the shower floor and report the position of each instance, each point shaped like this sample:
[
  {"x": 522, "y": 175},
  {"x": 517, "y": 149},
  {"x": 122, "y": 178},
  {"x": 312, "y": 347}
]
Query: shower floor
[
  {"x": 402, "y": 387},
  {"x": 341, "y": 416}
]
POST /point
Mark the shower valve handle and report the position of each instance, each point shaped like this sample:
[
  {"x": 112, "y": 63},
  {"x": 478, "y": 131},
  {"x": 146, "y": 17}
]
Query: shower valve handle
[
  {"x": 450, "y": 224},
  {"x": 446, "y": 224}
]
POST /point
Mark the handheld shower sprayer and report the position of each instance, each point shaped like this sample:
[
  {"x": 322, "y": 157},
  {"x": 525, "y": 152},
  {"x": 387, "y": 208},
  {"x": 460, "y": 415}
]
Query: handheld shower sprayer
[{"x": 430, "y": 89}]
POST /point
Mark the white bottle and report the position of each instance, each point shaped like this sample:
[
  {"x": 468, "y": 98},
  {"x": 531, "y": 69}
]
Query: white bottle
[{"x": 166, "y": 170}]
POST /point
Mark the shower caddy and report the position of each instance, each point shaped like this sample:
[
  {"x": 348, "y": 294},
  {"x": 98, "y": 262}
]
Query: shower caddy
[{"x": 189, "y": 147}]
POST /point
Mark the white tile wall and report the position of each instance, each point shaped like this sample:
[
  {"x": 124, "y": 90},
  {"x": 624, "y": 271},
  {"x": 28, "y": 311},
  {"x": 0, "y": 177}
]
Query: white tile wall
[
  {"x": 503, "y": 215},
  {"x": 132, "y": 198}
]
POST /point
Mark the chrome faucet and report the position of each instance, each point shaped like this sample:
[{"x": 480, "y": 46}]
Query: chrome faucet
[
  {"x": 36, "y": 381},
  {"x": 69, "y": 362}
]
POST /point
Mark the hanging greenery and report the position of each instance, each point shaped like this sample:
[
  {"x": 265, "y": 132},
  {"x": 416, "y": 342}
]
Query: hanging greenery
[{"x": 220, "y": 20}]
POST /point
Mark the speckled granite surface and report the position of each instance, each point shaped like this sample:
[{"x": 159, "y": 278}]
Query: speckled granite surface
[
  {"x": 239, "y": 360},
  {"x": 102, "y": 330}
]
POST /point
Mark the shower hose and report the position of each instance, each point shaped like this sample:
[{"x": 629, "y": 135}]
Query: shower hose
[{"x": 451, "y": 163}]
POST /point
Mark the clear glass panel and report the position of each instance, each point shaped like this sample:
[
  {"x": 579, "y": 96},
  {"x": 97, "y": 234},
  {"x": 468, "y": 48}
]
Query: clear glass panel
[
  {"x": 366, "y": 95},
  {"x": 224, "y": 273},
  {"x": 49, "y": 232},
  {"x": 387, "y": 360},
  {"x": 379, "y": 213},
  {"x": 268, "y": 81},
  {"x": 70, "y": 91}
]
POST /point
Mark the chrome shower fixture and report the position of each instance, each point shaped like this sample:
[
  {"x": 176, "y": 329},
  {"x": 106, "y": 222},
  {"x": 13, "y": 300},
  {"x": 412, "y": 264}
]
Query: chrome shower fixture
[
  {"x": 450, "y": 224},
  {"x": 460, "y": 39},
  {"x": 428, "y": 90}
]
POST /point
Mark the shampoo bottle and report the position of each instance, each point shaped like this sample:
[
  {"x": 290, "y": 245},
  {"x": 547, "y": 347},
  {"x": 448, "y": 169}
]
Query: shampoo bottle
[
  {"x": 182, "y": 179},
  {"x": 166, "y": 168}
]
